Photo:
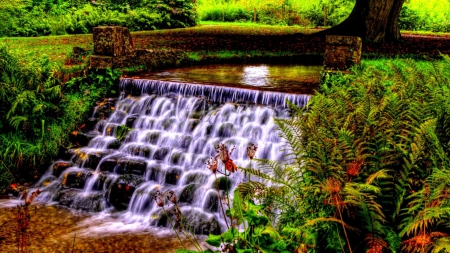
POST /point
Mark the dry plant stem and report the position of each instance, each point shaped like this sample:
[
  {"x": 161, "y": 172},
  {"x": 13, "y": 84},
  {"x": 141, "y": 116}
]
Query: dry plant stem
[
  {"x": 194, "y": 242},
  {"x": 343, "y": 227},
  {"x": 170, "y": 221},
  {"x": 220, "y": 201},
  {"x": 339, "y": 239},
  {"x": 73, "y": 245},
  {"x": 8, "y": 170}
]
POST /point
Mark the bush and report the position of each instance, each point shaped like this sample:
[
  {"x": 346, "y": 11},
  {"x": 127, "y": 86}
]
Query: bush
[
  {"x": 37, "y": 112},
  {"x": 228, "y": 13},
  {"x": 369, "y": 165}
]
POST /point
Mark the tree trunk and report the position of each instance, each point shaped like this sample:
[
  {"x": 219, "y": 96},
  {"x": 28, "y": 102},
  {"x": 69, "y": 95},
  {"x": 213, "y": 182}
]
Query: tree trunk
[{"x": 372, "y": 20}]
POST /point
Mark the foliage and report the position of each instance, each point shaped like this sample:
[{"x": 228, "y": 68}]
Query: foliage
[
  {"x": 369, "y": 162},
  {"x": 37, "y": 18},
  {"x": 37, "y": 111}
]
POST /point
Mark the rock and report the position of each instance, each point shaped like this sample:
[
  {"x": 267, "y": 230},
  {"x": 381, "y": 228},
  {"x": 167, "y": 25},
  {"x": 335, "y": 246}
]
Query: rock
[
  {"x": 192, "y": 124},
  {"x": 195, "y": 178},
  {"x": 160, "y": 154},
  {"x": 89, "y": 160},
  {"x": 212, "y": 202},
  {"x": 101, "y": 62},
  {"x": 226, "y": 130},
  {"x": 173, "y": 175},
  {"x": 78, "y": 51},
  {"x": 108, "y": 164},
  {"x": 342, "y": 52},
  {"x": 112, "y": 41},
  {"x": 128, "y": 166},
  {"x": 59, "y": 167},
  {"x": 154, "y": 173},
  {"x": 66, "y": 197},
  {"x": 99, "y": 183},
  {"x": 76, "y": 199},
  {"x": 90, "y": 124},
  {"x": 64, "y": 153},
  {"x": 202, "y": 223},
  {"x": 184, "y": 142},
  {"x": 176, "y": 158},
  {"x": 114, "y": 145},
  {"x": 224, "y": 184},
  {"x": 188, "y": 193},
  {"x": 82, "y": 139},
  {"x": 75, "y": 179},
  {"x": 92, "y": 202},
  {"x": 122, "y": 190},
  {"x": 130, "y": 120},
  {"x": 153, "y": 137}
]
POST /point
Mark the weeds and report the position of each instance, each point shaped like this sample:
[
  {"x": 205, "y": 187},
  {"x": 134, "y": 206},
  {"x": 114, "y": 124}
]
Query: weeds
[{"x": 23, "y": 218}]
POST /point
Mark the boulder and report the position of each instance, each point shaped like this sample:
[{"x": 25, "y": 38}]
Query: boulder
[
  {"x": 122, "y": 190},
  {"x": 188, "y": 193},
  {"x": 75, "y": 179},
  {"x": 173, "y": 175},
  {"x": 59, "y": 167}
]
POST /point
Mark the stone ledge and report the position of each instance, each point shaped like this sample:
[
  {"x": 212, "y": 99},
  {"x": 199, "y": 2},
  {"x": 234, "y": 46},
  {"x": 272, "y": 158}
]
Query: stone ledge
[
  {"x": 342, "y": 52},
  {"x": 112, "y": 41}
]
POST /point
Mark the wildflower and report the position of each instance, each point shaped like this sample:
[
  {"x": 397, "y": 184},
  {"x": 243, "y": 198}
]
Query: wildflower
[
  {"x": 354, "y": 167},
  {"x": 333, "y": 186},
  {"x": 212, "y": 164},
  {"x": 172, "y": 197},
  {"x": 222, "y": 152},
  {"x": 251, "y": 150},
  {"x": 159, "y": 199},
  {"x": 224, "y": 155}
]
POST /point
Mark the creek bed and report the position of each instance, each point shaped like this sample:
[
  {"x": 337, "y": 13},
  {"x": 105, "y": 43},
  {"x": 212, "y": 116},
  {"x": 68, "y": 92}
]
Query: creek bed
[{"x": 52, "y": 229}]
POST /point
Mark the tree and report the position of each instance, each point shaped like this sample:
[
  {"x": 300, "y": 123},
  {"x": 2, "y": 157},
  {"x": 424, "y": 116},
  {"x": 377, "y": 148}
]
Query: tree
[{"x": 373, "y": 20}]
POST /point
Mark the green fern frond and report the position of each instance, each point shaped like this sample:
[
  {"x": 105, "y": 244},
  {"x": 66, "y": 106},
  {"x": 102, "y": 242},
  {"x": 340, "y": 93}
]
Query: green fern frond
[{"x": 16, "y": 121}]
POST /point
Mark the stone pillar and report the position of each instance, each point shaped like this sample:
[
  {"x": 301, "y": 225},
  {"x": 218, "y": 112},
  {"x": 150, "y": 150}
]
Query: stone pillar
[
  {"x": 341, "y": 53},
  {"x": 112, "y": 44}
]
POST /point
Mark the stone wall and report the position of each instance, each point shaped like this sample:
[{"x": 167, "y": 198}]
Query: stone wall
[{"x": 341, "y": 53}]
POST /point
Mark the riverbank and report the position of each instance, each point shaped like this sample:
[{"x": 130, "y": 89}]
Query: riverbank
[{"x": 53, "y": 228}]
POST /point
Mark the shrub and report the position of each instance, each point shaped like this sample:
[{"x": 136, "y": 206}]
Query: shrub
[{"x": 369, "y": 162}]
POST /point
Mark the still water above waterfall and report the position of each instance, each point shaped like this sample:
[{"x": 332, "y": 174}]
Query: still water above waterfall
[
  {"x": 285, "y": 78},
  {"x": 157, "y": 136}
]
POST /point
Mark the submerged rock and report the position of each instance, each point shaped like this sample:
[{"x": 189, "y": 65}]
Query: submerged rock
[
  {"x": 75, "y": 179},
  {"x": 122, "y": 190},
  {"x": 188, "y": 193},
  {"x": 173, "y": 176},
  {"x": 59, "y": 167}
]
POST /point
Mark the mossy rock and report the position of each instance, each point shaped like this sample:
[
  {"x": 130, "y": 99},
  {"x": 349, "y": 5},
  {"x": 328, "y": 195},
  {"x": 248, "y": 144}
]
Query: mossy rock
[
  {"x": 122, "y": 190},
  {"x": 59, "y": 167},
  {"x": 224, "y": 184},
  {"x": 173, "y": 175},
  {"x": 187, "y": 194},
  {"x": 226, "y": 130}
]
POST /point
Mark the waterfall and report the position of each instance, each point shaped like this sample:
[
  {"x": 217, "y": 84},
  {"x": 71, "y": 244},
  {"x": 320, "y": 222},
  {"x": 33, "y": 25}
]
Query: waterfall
[{"x": 173, "y": 129}]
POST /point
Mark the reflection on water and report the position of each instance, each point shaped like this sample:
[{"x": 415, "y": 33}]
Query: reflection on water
[
  {"x": 256, "y": 75},
  {"x": 284, "y": 78}
]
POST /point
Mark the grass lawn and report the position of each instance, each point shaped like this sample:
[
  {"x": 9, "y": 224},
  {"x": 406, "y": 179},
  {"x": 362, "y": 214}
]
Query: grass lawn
[{"x": 208, "y": 38}]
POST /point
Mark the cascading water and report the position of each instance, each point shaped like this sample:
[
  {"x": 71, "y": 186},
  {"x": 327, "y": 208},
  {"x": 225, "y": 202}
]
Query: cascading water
[{"x": 173, "y": 129}]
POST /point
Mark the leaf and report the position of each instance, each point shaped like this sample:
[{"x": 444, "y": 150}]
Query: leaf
[{"x": 214, "y": 240}]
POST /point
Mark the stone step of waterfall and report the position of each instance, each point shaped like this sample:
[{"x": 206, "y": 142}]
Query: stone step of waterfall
[{"x": 212, "y": 93}]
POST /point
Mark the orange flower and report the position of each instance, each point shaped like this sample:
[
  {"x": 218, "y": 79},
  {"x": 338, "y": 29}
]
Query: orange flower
[
  {"x": 354, "y": 167},
  {"x": 212, "y": 164},
  {"x": 230, "y": 166}
]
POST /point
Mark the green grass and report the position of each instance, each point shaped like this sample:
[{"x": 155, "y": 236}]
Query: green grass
[{"x": 58, "y": 48}]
